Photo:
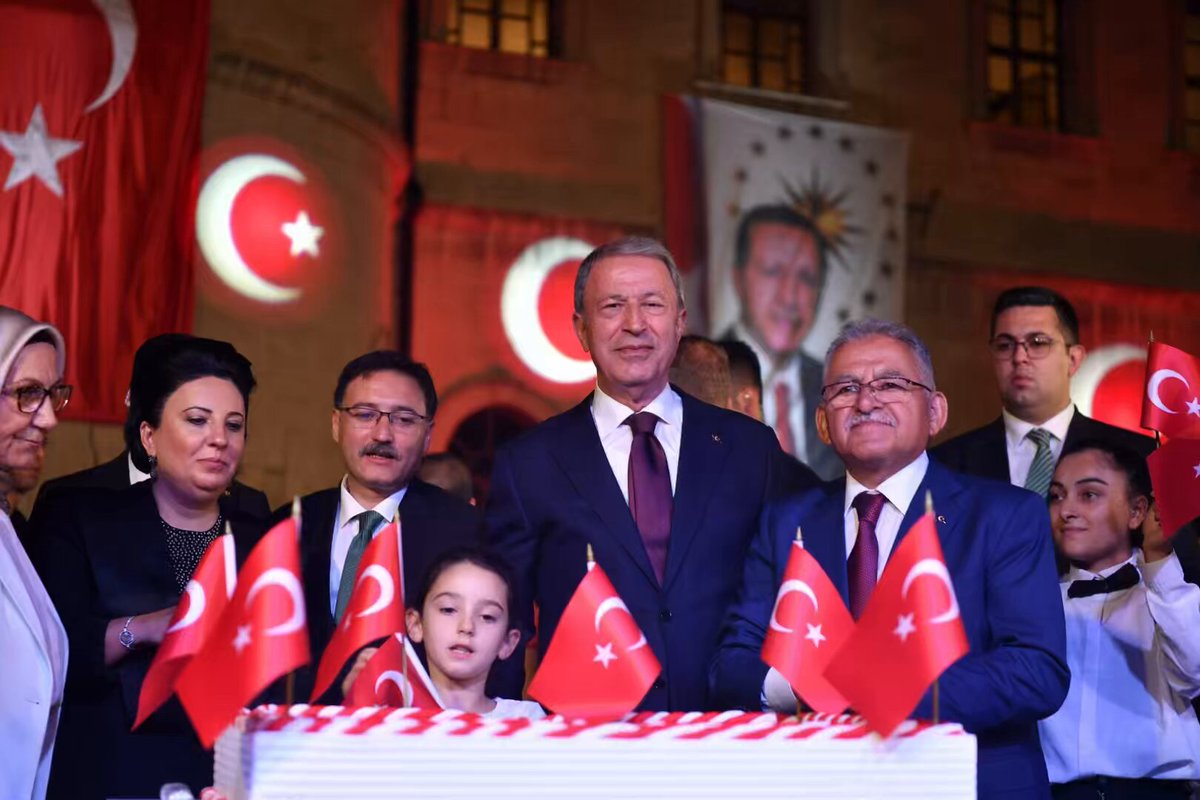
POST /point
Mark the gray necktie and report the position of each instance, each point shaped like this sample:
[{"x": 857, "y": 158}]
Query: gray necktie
[
  {"x": 1042, "y": 467},
  {"x": 368, "y": 523}
]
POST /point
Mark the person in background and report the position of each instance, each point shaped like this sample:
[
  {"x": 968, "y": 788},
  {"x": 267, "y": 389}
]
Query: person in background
[
  {"x": 701, "y": 369},
  {"x": 32, "y": 361},
  {"x": 22, "y": 481},
  {"x": 745, "y": 379},
  {"x": 448, "y": 471}
]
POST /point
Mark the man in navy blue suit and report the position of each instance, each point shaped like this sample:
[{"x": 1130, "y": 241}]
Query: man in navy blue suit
[
  {"x": 665, "y": 488},
  {"x": 879, "y": 409}
]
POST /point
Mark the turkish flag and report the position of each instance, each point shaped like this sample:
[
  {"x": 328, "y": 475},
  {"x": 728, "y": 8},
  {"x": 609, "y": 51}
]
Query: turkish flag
[
  {"x": 809, "y": 624},
  {"x": 375, "y": 610},
  {"x": 1175, "y": 474},
  {"x": 598, "y": 665},
  {"x": 387, "y": 679},
  {"x": 1172, "y": 402},
  {"x": 261, "y": 635},
  {"x": 197, "y": 615},
  {"x": 910, "y": 632},
  {"x": 99, "y": 137}
]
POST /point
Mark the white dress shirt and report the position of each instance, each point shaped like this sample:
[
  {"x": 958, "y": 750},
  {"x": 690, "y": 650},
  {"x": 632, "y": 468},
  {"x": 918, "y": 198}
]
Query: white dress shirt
[
  {"x": 788, "y": 374},
  {"x": 1021, "y": 449},
  {"x": 345, "y": 528},
  {"x": 899, "y": 490},
  {"x": 1134, "y": 657},
  {"x": 135, "y": 475},
  {"x": 617, "y": 438}
]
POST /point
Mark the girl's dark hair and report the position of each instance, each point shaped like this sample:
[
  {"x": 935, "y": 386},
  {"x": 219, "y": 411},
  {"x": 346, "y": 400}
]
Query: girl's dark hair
[
  {"x": 479, "y": 557},
  {"x": 187, "y": 358}
]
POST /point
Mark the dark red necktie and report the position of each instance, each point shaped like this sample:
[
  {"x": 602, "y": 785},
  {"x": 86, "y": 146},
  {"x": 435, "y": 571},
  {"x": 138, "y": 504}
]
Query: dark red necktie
[
  {"x": 863, "y": 565},
  {"x": 650, "y": 498}
]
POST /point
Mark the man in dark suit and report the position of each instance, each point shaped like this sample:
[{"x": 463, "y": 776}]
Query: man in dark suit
[
  {"x": 121, "y": 472},
  {"x": 666, "y": 489},
  {"x": 879, "y": 410},
  {"x": 779, "y": 268},
  {"x": 1035, "y": 351},
  {"x": 383, "y": 412}
]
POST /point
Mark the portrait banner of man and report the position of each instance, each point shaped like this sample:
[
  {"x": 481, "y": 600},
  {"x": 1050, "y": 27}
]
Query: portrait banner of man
[{"x": 805, "y": 230}]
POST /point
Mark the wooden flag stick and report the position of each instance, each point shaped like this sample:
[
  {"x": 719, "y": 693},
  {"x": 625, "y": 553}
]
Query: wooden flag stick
[
  {"x": 937, "y": 712},
  {"x": 403, "y": 628},
  {"x": 928, "y": 502},
  {"x": 591, "y": 557},
  {"x": 799, "y": 537}
]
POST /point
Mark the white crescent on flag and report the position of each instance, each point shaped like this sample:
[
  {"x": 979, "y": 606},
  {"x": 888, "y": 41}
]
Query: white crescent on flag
[
  {"x": 935, "y": 568},
  {"x": 395, "y": 677},
  {"x": 387, "y": 589},
  {"x": 787, "y": 588},
  {"x": 122, "y": 27},
  {"x": 1155, "y": 383},
  {"x": 196, "y": 603},
  {"x": 612, "y": 604},
  {"x": 285, "y": 578}
]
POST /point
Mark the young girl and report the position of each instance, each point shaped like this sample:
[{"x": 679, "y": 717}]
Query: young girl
[{"x": 462, "y": 618}]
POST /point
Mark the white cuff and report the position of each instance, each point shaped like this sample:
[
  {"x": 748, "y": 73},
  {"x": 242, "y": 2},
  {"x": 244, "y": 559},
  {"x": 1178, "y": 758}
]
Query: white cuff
[{"x": 777, "y": 694}]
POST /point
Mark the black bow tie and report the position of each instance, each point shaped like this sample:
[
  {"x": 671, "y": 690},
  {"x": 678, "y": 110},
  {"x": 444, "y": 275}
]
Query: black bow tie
[{"x": 1123, "y": 578}]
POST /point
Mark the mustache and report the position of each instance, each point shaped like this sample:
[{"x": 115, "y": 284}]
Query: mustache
[
  {"x": 379, "y": 449},
  {"x": 879, "y": 416}
]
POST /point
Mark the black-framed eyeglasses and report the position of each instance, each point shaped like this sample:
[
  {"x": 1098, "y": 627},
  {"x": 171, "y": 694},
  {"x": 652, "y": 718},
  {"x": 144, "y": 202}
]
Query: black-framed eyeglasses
[
  {"x": 30, "y": 398},
  {"x": 1036, "y": 346},
  {"x": 403, "y": 419},
  {"x": 885, "y": 390}
]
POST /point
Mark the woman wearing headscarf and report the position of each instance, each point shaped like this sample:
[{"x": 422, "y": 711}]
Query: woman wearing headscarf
[
  {"x": 117, "y": 562},
  {"x": 34, "y": 644}
]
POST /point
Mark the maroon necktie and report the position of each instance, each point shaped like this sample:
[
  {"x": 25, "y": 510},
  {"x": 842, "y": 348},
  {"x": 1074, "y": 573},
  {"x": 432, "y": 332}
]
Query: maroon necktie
[
  {"x": 863, "y": 564},
  {"x": 650, "y": 489}
]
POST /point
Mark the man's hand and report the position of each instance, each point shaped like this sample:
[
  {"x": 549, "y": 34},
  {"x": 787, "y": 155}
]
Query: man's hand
[{"x": 364, "y": 656}]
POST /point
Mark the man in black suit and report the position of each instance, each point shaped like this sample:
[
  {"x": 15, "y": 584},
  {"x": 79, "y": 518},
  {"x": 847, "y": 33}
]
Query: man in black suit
[
  {"x": 383, "y": 412},
  {"x": 778, "y": 272},
  {"x": 121, "y": 472}
]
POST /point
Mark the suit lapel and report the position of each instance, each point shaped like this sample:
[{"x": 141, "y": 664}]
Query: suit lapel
[
  {"x": 702, "y": 454},
  {"x": 1078, "y": 430},
  {"x": 581, "y": 456},
  {"x": 942, "y": 485},
  {"x": 316, "y": 538},
  {"x": 825, "y": 535},
  {"x": 992, "y": 454}
]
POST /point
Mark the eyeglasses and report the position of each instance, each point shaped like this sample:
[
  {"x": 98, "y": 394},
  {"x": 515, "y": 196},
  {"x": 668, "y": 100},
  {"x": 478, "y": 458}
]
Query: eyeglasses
[
  {"x": 402, "y": 419},
  {"x": 31, "y": 397},
  {"x": 886, "y": 390},
  {"x": 1036, "y": 346}
]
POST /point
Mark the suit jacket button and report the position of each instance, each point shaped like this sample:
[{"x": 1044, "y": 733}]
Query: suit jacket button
[
  {"x": 665, "y": 615},
  {"x": 659, "y": 684}
]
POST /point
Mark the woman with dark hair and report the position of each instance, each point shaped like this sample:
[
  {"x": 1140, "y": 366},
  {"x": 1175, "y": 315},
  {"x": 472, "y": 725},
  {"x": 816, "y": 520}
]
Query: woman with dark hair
[{"x": 116, "y": 563}]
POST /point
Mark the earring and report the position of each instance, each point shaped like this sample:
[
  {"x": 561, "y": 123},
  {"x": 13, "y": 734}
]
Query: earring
[{"x": 153, "y": 466}]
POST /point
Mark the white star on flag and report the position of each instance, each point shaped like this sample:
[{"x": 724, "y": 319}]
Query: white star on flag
[
  {"x": 814, "y": 635},
  {"x": 1194, "y": 406},
  {"x": 242, "y": 640},
  {"x": 35, "y": 153},
  {"x": 304, "y": 235},
  {"x": 904, "y": 626},
  {"x": 604, "y": 655}
]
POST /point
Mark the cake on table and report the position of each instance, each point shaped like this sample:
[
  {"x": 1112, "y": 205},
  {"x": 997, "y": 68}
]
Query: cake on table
[{"x": 310, "y": 752}]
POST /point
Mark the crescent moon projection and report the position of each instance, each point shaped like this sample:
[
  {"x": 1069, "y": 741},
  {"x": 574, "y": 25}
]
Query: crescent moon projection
[
  {"x": 395, "y": 677},
  {"x": 196, "y": 603},
  {"x": 387, "y": 590},
  {"x": 1156, "y": 381},
  {"x": 519, "y": 310},
  {"x": 122, "y": 28},
  {"x": 931, "y": 566},
  {"x": 285, "y": 578},
  {"x": 612, "y": 604},
  {"x": 788, "y": 587},
  {"x": 1095, "y": 367},
  {"x": 214, "y": 230}
]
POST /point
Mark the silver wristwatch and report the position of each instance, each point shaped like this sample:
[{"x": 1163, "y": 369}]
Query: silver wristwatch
[{"x": 126, "y": 638}]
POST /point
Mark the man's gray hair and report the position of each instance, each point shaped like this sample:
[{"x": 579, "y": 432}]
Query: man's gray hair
[
  {"x": 627, "y": 246},
  {"x": 856, "y": 331}
]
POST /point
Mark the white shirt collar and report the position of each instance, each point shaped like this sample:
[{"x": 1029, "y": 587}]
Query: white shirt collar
[
  {"x": 349, "y": 508},
  {"x": 1015, "y": 430},
  {"x": 610, "y": 414},
  {"x": 898, "y": 489},
  {"x": 1079, "y": 574},
  {"x": 135, "y": 474}
]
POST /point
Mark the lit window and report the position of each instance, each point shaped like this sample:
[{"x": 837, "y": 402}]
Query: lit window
[
  {"x": 1024, "y": 63},
  {"x": 510, "y": 26},
  {"x": 763, "y": 45}
]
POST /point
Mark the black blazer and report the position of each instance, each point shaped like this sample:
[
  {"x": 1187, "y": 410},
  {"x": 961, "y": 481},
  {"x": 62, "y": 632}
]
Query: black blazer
[
  {"x": 432, "y": 521},
  {"x": 102, "y": 556},
  {"x": 114, "y": 474}
]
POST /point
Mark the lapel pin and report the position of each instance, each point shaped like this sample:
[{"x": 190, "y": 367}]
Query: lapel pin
[
  {"x": 941, "y": 519},
  {"x": 716, "y": 438}
]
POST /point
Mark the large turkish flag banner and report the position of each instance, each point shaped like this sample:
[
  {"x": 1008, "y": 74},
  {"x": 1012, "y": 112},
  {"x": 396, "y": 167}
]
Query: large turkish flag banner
[{"x": 99, "y": 135}]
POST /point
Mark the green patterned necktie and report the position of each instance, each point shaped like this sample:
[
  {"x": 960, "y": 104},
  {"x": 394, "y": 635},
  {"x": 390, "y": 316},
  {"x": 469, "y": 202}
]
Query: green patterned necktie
[
  {"x": 368, "y": 523},
  {"x": 1042, "y": 467}
]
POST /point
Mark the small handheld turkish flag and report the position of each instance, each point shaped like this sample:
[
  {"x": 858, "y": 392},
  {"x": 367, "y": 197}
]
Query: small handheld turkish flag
[
  {"x": 1172, "y": 402},
  {"x": 598, "y": 665},
  {"x": 1175, "y": 474},
  {"x": 394, "y": 676},
  {"x": 809, "y": 624},
  {"x": 376, "y": 607},
  {"x": 196, "y": 616},
  {"x": 261, "y": 635},
  {"x": 909, "y": 634}
]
